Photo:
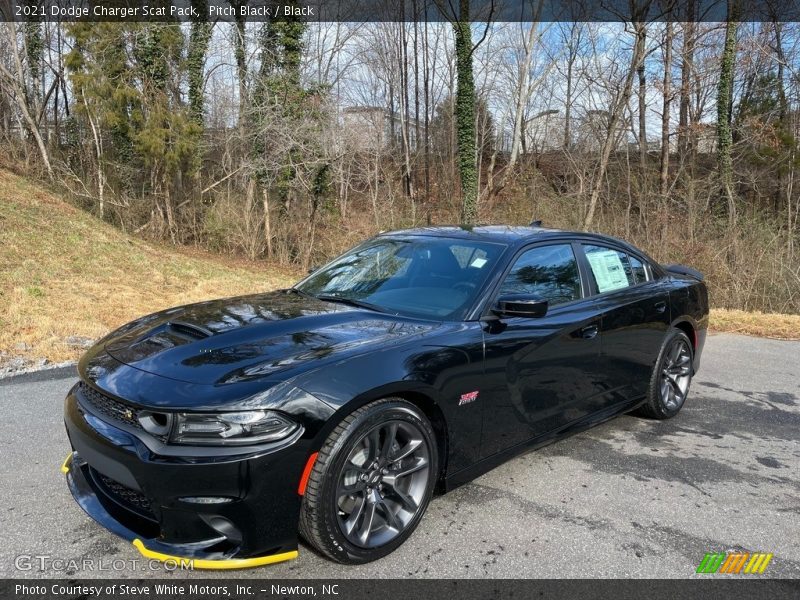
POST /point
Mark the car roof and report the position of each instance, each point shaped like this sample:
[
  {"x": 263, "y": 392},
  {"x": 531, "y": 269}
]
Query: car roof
[
  {"x": 506, "y": 234},
  {"x": 497, "y": 233}
]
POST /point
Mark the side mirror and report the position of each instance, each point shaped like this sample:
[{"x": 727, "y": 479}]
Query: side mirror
[
  {"x": 520, "y": 305},
  {"x": 312, "y": 269}
]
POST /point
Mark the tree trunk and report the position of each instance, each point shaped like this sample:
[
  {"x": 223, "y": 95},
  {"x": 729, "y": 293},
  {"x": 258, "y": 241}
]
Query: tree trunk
[
  {"x": 568, "y": 106},
  {"x": 98, "y": 148},
  {"x": 687, "y": 68},
  {"x": 611, "y": 136},
  {"x": 523, "y": 95},
  {"x": 17, "y": 86},
  {"x": 267, "y": 223},
  {"x": 724, "y": 113},
  {"x": 427, "y": 103},
  {"x": 780, "y": 57},
  {"x": 240, "y": 50},
  {"x": 34, "y": 52},
  {"x": 663, "y": 180},
  {"x": 571, "y": 37},
  {"x": 170, "y": 213},
  {"x": 465, "y": 117},
  {"x": 416, "y": 90},
  {"x": 405, "y": 132},
  {"x": 641, "y": 32},
  {"x": 199, "y": 39}
]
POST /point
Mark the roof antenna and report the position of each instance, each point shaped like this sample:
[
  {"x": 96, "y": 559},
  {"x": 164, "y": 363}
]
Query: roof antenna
[{"x": 536, "y": 223}]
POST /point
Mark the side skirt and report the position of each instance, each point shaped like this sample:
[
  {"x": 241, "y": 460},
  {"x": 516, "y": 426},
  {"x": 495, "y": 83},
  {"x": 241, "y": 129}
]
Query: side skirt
[{"x": 485, "y": 465}]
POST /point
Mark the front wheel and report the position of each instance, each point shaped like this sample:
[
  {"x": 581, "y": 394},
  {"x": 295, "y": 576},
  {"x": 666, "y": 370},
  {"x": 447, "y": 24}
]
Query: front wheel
[
  {"x": 371, "y": 482},
  {"x": 671, "y": 377}
]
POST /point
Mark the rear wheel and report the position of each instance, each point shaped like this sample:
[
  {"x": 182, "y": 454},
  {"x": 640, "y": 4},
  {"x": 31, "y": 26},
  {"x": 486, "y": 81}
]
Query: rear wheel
[
  {"x": 371, "y": 482},
  {"x": 671, "y": 377}
]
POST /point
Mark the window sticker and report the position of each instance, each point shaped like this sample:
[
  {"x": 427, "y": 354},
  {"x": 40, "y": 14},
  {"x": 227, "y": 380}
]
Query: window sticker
[
  {"x": 608, "y": 270},
  {"x": 478, "y": 263}
]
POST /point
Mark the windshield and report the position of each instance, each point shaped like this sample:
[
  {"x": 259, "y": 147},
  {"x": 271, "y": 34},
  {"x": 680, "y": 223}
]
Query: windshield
[{"x": 423, "y": 276}]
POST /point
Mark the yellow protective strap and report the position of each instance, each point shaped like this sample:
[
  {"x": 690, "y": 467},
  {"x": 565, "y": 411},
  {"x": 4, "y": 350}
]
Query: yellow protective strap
[
  {"x": 203, "y": 563},
  {"x": 66, "y": 463}
]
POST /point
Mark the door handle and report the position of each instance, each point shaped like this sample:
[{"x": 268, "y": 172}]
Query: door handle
[
  {"x": 661, "y": 306},
  {"x": 589, "y": 332}
]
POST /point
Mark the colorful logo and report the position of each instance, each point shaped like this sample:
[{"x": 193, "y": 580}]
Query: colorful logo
[
  {"x": 735, "y": 563},
  {"x": 467, "y": 398}
]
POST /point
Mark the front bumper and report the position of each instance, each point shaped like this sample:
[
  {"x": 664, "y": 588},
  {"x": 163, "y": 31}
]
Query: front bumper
[{"x": 141, "y": 494}]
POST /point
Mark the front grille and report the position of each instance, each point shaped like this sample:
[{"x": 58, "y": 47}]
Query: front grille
[
  {"x": 116, "y": 410},
  {"x": 127, "y": 497}
]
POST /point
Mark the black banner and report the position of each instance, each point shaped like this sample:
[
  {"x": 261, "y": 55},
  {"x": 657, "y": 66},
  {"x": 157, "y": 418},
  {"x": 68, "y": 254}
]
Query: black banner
[
  {"x": 399, "y": 10},
  {"x": 422, "y": 589}
]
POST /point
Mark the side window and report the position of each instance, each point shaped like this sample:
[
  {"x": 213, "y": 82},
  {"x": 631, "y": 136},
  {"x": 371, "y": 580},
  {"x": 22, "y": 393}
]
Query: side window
[
  {"x": 650, "y": 272},
  {"x": 549, "y": 272},
  {"x": 610, "y": 269},
  {"x": 638, "y": 269}
]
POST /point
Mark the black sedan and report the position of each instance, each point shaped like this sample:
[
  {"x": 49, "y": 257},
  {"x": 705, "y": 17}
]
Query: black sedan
[{"x": 416, "y": 361}]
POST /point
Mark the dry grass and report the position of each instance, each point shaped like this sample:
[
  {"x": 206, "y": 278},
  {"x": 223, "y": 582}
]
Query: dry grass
[
  {"x": 64, "y": 273},
  {"x": 770, "y": 325}
]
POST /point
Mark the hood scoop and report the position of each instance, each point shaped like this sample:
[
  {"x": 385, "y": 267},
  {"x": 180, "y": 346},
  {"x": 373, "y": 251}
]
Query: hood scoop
[
  {"x": 169, "y": 334},
  {"x": 195, "y": 332}
]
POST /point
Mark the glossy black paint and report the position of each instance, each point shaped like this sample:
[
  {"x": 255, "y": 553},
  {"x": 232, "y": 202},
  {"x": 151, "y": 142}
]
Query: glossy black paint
[{"x": 538, "y": 379}]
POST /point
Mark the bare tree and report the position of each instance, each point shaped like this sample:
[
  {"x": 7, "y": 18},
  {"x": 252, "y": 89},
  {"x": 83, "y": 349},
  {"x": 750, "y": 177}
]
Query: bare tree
[
  {"x": 663, "y": 186},
  {"x": 725, "y": 112},
  {"x": 615, "y": 114},
  {"x": 15, "y": 84}
]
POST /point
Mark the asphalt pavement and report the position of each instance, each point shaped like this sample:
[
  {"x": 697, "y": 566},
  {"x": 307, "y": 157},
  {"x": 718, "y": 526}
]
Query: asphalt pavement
[{"x": 629, "y": 498}]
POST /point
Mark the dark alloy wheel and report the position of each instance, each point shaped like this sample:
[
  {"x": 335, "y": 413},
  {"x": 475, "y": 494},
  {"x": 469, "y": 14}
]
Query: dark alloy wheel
[
  {"x": 371, "y": 482},
  {"x": 671, "y": 377},
  {"x": 383, "y": 483},
  {"x": 676, "y": 374}
]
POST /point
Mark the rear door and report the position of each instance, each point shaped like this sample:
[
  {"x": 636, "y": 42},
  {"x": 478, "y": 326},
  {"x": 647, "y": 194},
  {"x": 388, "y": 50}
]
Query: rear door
[
  {"x": 541, "y": 373},
  {"x": 634, "y": 310}
]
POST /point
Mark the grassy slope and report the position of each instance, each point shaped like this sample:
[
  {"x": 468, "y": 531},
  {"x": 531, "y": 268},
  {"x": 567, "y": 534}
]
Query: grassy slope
[
  {"x": 63, "y": 273},
  {"x": 770, "y": 325}
]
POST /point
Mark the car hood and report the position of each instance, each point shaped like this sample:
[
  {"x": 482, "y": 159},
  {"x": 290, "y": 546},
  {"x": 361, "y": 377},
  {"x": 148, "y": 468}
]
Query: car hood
[{"x": 253, "y": 337}]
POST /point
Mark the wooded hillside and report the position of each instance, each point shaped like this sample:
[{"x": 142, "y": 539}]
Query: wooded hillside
[{"x": 289, "y": 141}]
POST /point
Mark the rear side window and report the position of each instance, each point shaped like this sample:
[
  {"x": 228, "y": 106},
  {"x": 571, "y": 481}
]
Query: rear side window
[
  {"x": 548, "y": 272},
  {"x": 612, "y": 269},
  {"x": 609, "y": 269},
  {"x": 638, "y": 269}
]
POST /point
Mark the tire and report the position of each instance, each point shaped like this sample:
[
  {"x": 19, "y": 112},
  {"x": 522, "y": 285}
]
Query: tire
[
  {"x": 671, "y": 377},
  {"x": 357, "y": 477}
]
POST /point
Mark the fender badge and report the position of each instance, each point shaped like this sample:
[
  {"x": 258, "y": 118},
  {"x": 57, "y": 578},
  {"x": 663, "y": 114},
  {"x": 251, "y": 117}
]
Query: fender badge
[{"x": 468, "y": 397}]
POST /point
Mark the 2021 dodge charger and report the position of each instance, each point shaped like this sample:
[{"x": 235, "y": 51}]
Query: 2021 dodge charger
[{"x": 417, "y": 360}]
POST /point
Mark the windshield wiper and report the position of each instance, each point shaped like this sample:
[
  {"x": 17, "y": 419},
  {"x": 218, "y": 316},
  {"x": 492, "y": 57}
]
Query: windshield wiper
[
  {"x": 299, "y": 292},
  {"x": 349, "y": 301}
]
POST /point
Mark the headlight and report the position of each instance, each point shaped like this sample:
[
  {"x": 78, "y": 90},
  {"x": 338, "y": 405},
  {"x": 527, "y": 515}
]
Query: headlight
[{"x": 234, "y": 428}]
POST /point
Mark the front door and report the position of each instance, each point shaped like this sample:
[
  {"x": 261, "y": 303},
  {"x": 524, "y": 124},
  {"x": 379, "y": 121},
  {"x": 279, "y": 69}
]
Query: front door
[{"x": 541, "y": 373}]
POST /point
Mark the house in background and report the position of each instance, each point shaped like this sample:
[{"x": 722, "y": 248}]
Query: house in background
[
  {"x": 592, "y": 128},
  {"x": 377, "y": 127}
]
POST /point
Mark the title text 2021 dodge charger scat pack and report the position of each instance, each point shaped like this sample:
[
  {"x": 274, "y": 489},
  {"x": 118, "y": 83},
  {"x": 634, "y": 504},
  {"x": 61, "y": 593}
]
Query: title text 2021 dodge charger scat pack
[{"x": 418, "y": 360}]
